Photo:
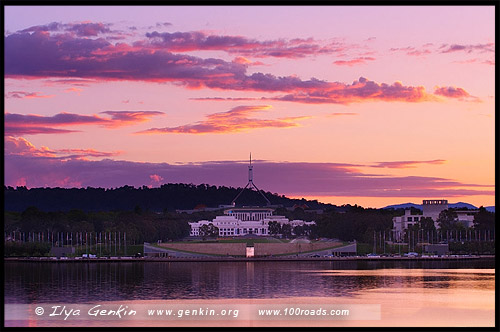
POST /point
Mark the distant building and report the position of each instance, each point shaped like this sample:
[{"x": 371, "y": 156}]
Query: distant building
[
  {"x": 466, "y": 217},
  {"x": 402, "y": 223},
  {"x": 430, "y": 209},
  {"x": 246, "y": 221},
  {"x": 433, "y": 207}
]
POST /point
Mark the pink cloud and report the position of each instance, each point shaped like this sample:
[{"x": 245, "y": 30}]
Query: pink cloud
[
  {"x": 353, "y": 62},
  {"x": 21, "y": 182},
  {"x": 430, "y": 48},
  {"x": 481, "y": 48},
  {"x": 16, "y": 130},
  {"x": 407, "y": 164},
  {"x": 413, "y": 51},
  {"x": 74, "y": 89},
  {"x": 454, "y": 92},
  {"x": 71, "y": 81},
  {"x": 63, "y": 55},
  {"x": 245, "y": 61},
  {"x": 26, "y": 95},
  {"x": 19, "y": 124},
  {"x": 359, "y": 91},
  {"x": 225, "y": 98},
  {"x": 80, "y": 29},
  {"x": 320, "y": 92},
  {"x": 22, "y": 147},
  {"x": 121, "y": 118},
  {"x": 155, "y": 178},
  {"x": 198, "y": 40},
  {"x": 88, "y": 29},
  {"x": 235, "y": 120},
  {"x": 58, "y": 119}
]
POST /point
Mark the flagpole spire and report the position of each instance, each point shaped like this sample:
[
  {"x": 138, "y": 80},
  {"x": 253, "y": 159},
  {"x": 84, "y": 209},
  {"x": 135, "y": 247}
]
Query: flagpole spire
[{"x": 251, "y": 184}]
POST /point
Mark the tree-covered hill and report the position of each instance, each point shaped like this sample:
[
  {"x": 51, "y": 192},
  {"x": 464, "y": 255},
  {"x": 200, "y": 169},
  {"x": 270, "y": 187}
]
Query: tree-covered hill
[{"x": 167, "y": 197}]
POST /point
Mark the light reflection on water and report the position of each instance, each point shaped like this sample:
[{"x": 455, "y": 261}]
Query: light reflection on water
[
  {"x": 90, "y": 282},
  {"x": 433, "y": 294}
]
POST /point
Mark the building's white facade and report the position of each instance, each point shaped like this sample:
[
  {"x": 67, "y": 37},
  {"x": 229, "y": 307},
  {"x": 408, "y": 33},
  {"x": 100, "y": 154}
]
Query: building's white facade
[
  {"x": 244, "y": 221},
  {"x": 400, "y": 224},
  {"x": 466, "y": 217},
  {"x": 431, "y": 209}
]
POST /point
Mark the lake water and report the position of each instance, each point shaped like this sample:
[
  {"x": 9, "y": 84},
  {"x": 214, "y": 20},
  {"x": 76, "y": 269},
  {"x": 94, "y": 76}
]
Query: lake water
[{"x": 378, "y": 293}]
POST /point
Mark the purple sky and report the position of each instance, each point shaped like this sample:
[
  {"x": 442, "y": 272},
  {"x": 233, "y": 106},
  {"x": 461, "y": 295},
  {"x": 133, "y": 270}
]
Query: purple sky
[{"x": 360, "y": 105}]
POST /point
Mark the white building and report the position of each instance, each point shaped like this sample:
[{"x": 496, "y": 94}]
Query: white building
[
  {"x": 466, "y": 217},
  {"x": 243, "y": 221},
  {"x": 400, "y": 224},
  {"x": 431, "y": 209}
]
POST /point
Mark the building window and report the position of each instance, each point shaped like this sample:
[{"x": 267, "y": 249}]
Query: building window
[{"x": 409, "y": 218}]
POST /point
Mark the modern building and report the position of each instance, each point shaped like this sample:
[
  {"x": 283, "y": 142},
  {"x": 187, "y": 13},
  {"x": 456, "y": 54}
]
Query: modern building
[
  {"x": 402, "y": 223},
  {"x": 433, "y": 207},
  {"x": 430, "y": 209},
  {"x": 466, "y": 217},
  {"x": 245, "y": 221}
]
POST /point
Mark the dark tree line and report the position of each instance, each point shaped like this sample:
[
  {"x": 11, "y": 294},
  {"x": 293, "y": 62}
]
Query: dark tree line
[
  {"x": 357, "y": 223},
  {"x": 147, "y": 214},
  {"x": 138, "y": 225},
  {"x": 167, "y": 197}
]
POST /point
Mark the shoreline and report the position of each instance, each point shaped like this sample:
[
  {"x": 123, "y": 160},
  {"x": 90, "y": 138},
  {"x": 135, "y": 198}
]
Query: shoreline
[{"x": 237, "y": 259}]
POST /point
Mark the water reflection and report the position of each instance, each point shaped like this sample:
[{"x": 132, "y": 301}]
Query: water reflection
[{"x": 91, "y": 282}]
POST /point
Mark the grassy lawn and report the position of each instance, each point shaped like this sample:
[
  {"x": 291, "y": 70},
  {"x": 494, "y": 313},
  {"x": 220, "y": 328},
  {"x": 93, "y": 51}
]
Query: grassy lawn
[
  {"x": 249, "y": 242},
  {"x": 311, "y": 251}
]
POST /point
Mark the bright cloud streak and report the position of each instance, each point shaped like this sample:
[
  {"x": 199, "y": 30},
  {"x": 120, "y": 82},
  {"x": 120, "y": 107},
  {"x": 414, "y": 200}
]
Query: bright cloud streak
[
  {"x": 22, "y": 147},
  {"x": 353, "y": 62},
  {"x": 234, "y": 120},
  {"x": 407, "y": 164}
]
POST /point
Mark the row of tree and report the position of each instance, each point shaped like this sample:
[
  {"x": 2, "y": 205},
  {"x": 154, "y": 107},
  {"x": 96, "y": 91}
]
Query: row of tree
[
  {"x": 171, "y": 196},
  {"x": 354, "y": 223},
  {"x": 139, "y": 226}
]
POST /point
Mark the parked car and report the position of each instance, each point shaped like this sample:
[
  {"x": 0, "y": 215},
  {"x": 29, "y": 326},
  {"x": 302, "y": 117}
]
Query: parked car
[
  {"x": 373, "y": 255},
  {"x": 411, "y": 254}
]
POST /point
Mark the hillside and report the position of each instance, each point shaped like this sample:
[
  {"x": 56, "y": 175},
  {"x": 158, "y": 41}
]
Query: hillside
[{"x": 460, "y": 205}]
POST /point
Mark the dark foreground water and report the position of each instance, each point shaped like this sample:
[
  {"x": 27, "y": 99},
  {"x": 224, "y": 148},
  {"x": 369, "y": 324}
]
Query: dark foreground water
[{"x": 444, "y": 292}]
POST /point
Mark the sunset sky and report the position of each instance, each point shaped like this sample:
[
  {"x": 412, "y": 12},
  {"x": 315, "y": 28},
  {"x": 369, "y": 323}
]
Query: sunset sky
[{"x": 348, "y": 105}]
